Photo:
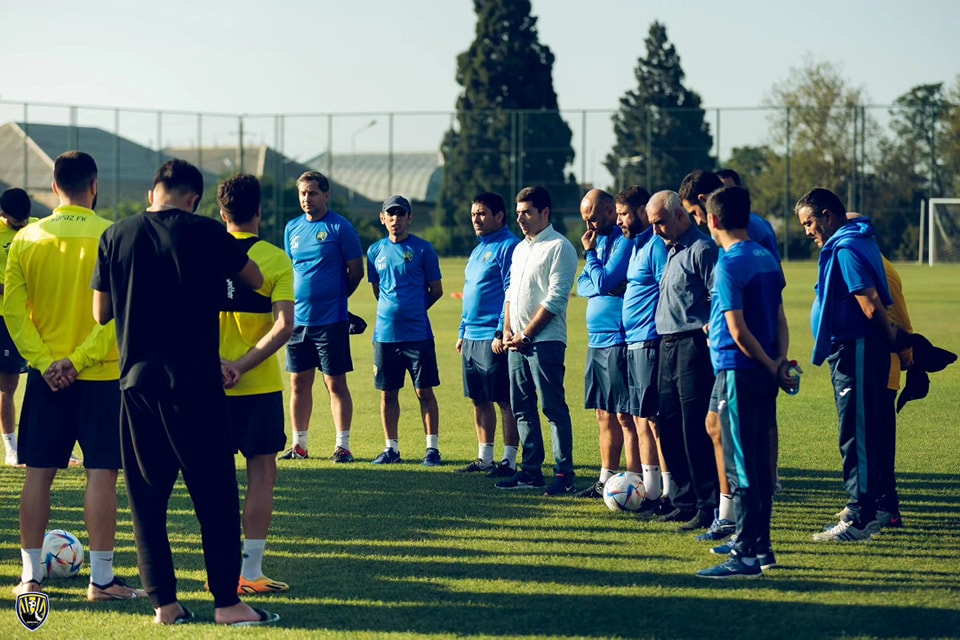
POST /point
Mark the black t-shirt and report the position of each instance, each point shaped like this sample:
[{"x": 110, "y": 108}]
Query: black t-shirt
[{"x": 165, "y": 272}]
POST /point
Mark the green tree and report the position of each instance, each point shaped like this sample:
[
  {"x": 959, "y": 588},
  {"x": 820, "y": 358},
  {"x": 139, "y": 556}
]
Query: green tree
[
  {"x": 660, "y": 128},
  {"x": 509, "y": 132}
]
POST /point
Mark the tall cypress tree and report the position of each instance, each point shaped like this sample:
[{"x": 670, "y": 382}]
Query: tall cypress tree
[
  {"x": 660, "y": 128},
  {"x": 509, "y": 132}
]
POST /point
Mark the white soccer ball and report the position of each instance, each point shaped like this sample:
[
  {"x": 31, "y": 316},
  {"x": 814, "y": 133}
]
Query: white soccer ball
[
  {"x": 62, "y": 554},
  {"x": 623, "y": 492}
]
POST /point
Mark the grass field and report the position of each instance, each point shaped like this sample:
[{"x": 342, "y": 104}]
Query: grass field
[{"x": 407, "y": 551}]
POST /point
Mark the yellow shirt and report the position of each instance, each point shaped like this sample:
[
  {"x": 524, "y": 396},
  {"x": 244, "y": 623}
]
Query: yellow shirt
[
  {"x": 48, "y": 302},
  {"x": 240, "y": 331},
  {"x": 899, "y": 316},
  {"x": 6, "y": 237}
]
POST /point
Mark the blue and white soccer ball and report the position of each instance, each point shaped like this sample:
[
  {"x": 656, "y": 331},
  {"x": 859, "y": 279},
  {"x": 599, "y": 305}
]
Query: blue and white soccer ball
[
  {"x": 62, "y": 554},
  {"x": 623, "y": 492}
]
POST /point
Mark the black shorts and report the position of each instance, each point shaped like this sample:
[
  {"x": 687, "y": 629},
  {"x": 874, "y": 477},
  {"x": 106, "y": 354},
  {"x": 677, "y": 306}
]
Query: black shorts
[
  {"x": 605, "y": 379},
  {"x": 10, "y": 359},
  {"x": 485, "y": 376},
  {"x": 392, "y": 360},
  {"x": 88, "y": 412},
  {"x": 642, "y": 365},
  {"x": 257, "y": 423},
  {"x": 325, "y": 347}
]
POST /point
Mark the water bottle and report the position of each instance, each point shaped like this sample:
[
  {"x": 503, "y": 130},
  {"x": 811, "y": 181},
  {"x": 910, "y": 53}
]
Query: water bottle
[{"x": 794, "y": 371}]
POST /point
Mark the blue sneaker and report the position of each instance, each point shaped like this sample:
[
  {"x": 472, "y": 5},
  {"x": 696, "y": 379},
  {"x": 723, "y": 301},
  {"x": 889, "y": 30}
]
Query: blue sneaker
[
  {"x": 734, "y": 567},
  {"x": 726, "y": 548},
  {"x": 388, "y": 456},
  {"x": 719, "y": 529},
  {"x": 432, "y": 458}
]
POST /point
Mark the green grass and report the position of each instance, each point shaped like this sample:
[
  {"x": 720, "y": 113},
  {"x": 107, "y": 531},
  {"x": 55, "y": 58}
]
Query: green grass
[{"x": 409, "y": 552}]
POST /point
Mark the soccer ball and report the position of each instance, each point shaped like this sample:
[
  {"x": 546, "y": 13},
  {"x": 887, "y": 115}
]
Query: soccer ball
[
  {"x": 623, "y": 492},
  {"x": 62, "y": 554}
]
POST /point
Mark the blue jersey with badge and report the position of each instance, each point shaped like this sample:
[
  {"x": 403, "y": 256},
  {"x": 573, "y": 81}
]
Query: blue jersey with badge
[
  {"x": 319, "y": 251},
  {"x": 748, "y": 279},
  {"x": 602, "y": 283},
  {"x": 402, "y": 271},
  {"x": 647, "y": 260},
  {"x": 487, "y": 277}
]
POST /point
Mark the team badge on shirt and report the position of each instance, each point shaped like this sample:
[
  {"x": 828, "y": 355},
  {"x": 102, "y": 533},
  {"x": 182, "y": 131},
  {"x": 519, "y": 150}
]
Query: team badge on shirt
[
  {"x": 487, "y": 256},
  {"x": 32, "y": 609},
  {"x": 408, "y": 256},
  {"x": 295, "y": 242},
  {"x": 321, "y": 235}
]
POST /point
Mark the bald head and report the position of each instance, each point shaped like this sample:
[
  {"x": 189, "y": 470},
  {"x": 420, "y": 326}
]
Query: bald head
[
  {"x": 667, "y": 216},
  {"x": 598, "y": 211}
]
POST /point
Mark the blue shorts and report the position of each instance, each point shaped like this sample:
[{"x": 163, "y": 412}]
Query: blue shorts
[
  {"x": 643, "y": 360},
  {"x": 257, "y": 423},
  {"x": 88, "y": 412},
  {"x": 392, "y": 360},
  {"x": 325, "y": 347},
  {"x": 485, "y": 374},
  {"x": 605, "y": 379},
  {"x": 10, "y": 359}
]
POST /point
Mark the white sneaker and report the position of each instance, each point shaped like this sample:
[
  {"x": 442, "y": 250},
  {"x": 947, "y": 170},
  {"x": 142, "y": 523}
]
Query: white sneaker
[{"x": 844, "y": 531}]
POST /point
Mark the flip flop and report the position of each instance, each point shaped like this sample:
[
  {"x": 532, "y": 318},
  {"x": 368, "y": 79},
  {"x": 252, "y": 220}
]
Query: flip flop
[
  {"x": 265, "y": 618},
  {"x": 184, "y": 618}
]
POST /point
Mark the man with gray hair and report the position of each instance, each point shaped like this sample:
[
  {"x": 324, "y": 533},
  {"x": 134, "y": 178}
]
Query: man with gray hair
[{"x": 686, "y": 374}]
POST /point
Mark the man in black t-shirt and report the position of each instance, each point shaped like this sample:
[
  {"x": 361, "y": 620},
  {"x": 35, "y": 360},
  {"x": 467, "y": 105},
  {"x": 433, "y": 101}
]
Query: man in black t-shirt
[{"x": 161, "y": 275}]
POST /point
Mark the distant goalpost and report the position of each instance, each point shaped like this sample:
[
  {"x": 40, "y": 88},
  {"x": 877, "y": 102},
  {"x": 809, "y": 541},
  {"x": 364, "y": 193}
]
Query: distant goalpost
[{"x": 943, "y": 230}]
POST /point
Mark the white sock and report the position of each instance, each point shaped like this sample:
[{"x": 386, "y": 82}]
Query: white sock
[
  {"x": 101, "y": 567},
  {"x": 606, "y": 473},
  {"x": 433, "y": 442},
  {"x": 394, "y": 444},
  {"x": 510, "y": 455},
  {"x": 10, "y": 442},
  {"x": 343, "y": 440},
  {"x": 300, "y": 439},
  {"x": 252, "y": 559},
  {"x": 485, "y": 452},
  {"x": 31, "y": 565},
  {"x": 669, "y": 489},
  {"x": 728, "y": 510},
  {"x": 653, "y": 481}
]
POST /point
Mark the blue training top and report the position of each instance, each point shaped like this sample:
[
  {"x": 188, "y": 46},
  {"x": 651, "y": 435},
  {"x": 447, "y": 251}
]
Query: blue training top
[
  {"x": 603, "y": 282},
  {"x": 761, "y": 232},
  {"x": 748, "y": 279},
  {"x": 402, "y": 271},
  {"x": 647, "y": 260},
  {"x": 487, "y": 277},
  {"x": 319, "y": 251}
]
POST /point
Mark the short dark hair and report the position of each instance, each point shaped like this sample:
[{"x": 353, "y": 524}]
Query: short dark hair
[
  {"x": 537, "y": 196},
  {"x": 179, "y": 175},
  {"x": 731, "y": 206},
  {"x": 819, "y": 199},
  {"x": 633, "y": 196},
  {"x": 698, "y": 183},
  {"x": 16, "y": 203},
  {"x": 729, "y": 173},
  {"x": 74, "y": 172},
  {"x": 315, "y": 176},
  {"x": 239, "y": 197},
  {"x": 492, "y": 201}
]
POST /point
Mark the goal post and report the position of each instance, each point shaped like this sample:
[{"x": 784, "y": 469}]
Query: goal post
[{"x": 943, "y": 230}]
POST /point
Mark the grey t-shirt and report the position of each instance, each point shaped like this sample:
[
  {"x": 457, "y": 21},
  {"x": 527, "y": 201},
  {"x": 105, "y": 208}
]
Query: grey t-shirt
[{"x": 686, "y": 284}]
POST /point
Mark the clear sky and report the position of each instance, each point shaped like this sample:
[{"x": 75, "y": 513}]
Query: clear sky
[{"x": 374, "y": 56}]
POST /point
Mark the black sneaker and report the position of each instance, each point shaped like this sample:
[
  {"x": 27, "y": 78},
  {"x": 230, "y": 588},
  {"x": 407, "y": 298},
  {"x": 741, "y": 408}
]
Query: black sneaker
[
  {"x": 431, "y": 458},
  {"x": 593, "y": 491},
  {"x": 562, "y": 485},
  {"x": 341, "y": 455},
  {"x": 521, "y": 480},
  {"x": 502, "y": 470},
  {"x": 647, "y": 509},
  {"x": 676, "y": 514},
  {"x": 478, "y": 465},
  {"x": 700, "y": 520},
  {"x": 889, "y": 519}
]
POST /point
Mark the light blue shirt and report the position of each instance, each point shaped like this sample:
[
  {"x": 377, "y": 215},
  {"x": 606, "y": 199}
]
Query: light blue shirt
[
  {"x": 487, "y": 278},
  {"x": 402, "y": 270},
  {"x": 603, "y": 282}
]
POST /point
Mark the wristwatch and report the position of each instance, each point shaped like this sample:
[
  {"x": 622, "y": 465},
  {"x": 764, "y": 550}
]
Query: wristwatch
[
  {"x": 498, "y": 335},
  {"x": 524, "y": 339}
]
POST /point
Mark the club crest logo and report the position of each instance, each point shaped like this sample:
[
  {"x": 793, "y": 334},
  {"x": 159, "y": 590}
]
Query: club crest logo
[
  {"x": 408, "y": 256},
  {"x": 32, "y": 610},
  {"x": 487, "y": 256},
  {"x": 295, "y": 243},
  {"x": 321, "y": 236}
]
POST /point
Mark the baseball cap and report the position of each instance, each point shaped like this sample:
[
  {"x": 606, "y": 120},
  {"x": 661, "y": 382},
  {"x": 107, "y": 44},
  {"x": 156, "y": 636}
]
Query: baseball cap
[{"x": 396, "y": 201}]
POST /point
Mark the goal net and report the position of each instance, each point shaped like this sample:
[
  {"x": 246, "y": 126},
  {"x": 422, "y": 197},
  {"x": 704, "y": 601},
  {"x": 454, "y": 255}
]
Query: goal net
[{"x": 943, "y": 230}]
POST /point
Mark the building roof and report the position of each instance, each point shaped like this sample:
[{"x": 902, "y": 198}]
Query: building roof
[{"x": 377, "y": 176}]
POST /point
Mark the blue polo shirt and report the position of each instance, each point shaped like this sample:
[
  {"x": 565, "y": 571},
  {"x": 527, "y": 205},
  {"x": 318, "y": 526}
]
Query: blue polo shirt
[
  {"x": 686, "y": 283},
  {"x": 319, "y": 251},
  {"x": 402, "y": 271},
  {"x": 647, "y": 259},
  {"x": 761, "y": 232},
  {"x": 487, "y": 277},
  {"x": 602, "y": 283},
  {"x": 748, "y": 279}
]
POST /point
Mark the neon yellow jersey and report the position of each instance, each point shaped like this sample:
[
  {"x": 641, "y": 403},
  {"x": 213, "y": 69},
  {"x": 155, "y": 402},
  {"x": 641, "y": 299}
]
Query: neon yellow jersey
[
  {"x": 240, "y": 331},
  {"x": 6, "y": 237},
  {"x": 48, "y": 302}
]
